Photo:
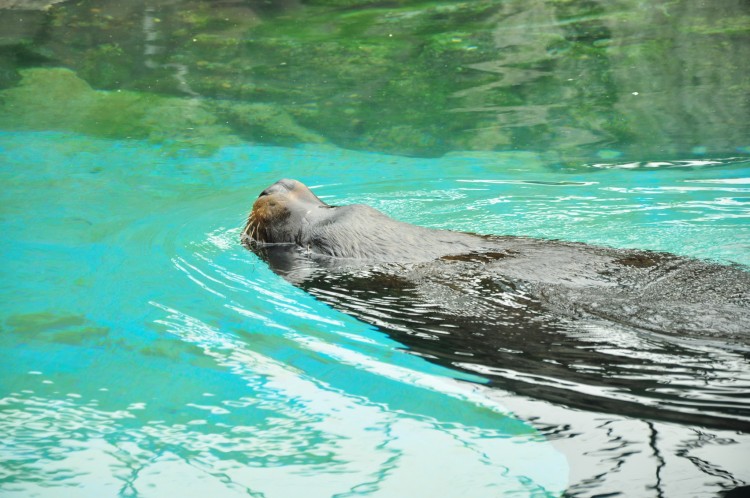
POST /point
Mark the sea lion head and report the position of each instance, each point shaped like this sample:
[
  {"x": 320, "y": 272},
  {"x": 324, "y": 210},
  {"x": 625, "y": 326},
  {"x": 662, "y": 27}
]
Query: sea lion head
[{"x": 282, "y": 213}]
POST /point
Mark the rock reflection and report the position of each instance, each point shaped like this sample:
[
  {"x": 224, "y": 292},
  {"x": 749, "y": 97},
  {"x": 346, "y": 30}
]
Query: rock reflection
[{"x": 578, "y": 80}]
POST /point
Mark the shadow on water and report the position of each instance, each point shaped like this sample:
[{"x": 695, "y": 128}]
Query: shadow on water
[{"x": 641, "y": 334}]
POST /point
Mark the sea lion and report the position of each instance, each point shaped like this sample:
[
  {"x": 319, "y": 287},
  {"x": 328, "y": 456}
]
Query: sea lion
[
  {"x": 288, "y": 212},
  {"x": 584, "y": 325}
]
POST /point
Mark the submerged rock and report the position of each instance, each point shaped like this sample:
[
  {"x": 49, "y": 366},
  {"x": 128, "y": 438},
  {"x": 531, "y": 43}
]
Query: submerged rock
[
  {"x": 266, "y": 123},
  {"x": 420, "y": 78},
  {"x": 57, "y": 99}
]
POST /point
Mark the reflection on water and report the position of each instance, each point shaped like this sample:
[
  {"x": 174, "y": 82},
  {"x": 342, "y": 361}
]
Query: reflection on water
[
  {"x": 575, "y": 79},
  {"x": 472, "y": 317}
]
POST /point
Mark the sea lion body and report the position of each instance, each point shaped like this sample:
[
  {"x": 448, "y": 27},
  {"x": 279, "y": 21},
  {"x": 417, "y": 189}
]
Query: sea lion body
[
  {"x": 655, "y": 290},
  {"x": 524, "y": 311}
]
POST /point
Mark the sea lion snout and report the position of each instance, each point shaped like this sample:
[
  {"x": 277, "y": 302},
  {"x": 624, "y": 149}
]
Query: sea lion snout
[{"x": 280, "y": 212}]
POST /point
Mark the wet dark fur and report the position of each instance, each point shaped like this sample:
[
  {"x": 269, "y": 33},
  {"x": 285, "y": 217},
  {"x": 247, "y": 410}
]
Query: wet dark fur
[{"x": 486, "y": 303}]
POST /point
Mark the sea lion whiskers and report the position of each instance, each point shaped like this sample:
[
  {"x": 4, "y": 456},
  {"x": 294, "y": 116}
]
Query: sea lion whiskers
[
  {"x": 249, "y": 226},
  {"x": 246, "y": 231},
  {"x": 252, "y": 229}
]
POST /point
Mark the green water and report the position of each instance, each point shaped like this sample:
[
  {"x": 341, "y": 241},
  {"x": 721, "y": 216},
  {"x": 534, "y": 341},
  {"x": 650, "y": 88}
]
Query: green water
[
  {"x": 576, "y": 80},
  {"x": 144, "y": 352}
]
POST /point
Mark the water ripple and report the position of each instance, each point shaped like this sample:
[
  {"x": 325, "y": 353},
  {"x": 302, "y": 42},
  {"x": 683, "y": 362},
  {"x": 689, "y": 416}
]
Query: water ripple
[{"x": 145, "y": 350}]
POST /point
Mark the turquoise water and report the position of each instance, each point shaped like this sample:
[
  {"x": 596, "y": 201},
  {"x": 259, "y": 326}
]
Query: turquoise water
[{"x": 145, "y": 352}]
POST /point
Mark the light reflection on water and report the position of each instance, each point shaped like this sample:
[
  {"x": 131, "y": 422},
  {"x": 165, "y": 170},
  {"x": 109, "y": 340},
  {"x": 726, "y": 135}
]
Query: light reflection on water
[{"x": 144, "y": 350}]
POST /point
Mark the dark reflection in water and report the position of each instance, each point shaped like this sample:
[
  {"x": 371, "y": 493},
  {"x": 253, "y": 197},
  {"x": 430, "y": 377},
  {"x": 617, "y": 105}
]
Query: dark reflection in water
[
  {"x": 645, "y": 335},
  {"x": 576, "y": 79}
]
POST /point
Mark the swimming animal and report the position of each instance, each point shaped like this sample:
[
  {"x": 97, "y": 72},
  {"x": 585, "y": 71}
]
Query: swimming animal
[
  {"x": 583, "y": 325},
  {"x": 288, "y": 212}
]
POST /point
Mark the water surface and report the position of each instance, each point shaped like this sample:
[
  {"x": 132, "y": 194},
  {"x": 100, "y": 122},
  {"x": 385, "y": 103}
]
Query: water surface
[
  {"x": 144, "y": 348},
  {"x": 145, "y": 352}
]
